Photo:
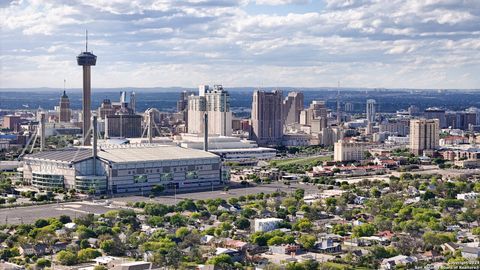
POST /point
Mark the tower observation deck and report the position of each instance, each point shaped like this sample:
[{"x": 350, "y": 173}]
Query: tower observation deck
[{"x": 86, "y": 59}]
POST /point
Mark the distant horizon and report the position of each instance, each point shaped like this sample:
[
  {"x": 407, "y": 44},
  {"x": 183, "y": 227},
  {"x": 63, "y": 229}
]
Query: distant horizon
[{"x": 233, "y": 88}]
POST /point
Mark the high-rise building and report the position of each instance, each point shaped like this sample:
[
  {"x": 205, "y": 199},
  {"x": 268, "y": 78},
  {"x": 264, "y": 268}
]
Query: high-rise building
[
  {"x": 182, "y": 103},
  {"x": 348, "y": 151},
  {"x": 214, "y": 101},
  {"x": 105, "y": 109},
  {"x": 315, "y": 115},
  {"x": 436, "y": 113},
  {"x": 133, "y": 102},
  {"x": 11, "y": 122},
  {"x": 86, "y": 59},
  {"x": 292, "y": 106},
  {"x": 123, "y": 125},
  {"x": 124, "y": 122},
  {"x": 267, "y": 123},
  {"x": 349, "y": 107},
  {"x": 399, "y": 127},
  {"x": 64, "y": 112},
  {"x": 371, "y": 110},
  {"x": 424, "y": 135}
]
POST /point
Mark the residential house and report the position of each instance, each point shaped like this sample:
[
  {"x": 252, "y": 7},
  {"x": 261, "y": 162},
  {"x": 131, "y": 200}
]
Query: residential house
[
  {"x": 284, "y": 249},
  {"x": 391, "y": 263},
  {"x": 328, "y": 246},
  {"x": 36, "y": 249},
  {"x": 267, "y": 224},
  {"x": 471, "y": 252}
]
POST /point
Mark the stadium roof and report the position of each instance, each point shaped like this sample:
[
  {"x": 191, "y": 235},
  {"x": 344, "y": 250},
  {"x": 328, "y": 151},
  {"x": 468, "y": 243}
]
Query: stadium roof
[
  {"x": 72, "y": 155},
  {"x": 151, "y": 153},
  {"x": 123, "y": 154}
]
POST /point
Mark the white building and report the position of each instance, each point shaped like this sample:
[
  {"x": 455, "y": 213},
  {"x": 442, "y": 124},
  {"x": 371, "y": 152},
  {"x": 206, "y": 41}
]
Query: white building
[
  {"x": 468, "y": 196},
  {"x": 216, "y": 103},
  {"x": 348, "y": 151},
  {"x": 266, "y": 224},
  {"x": 371, "y": 110},
  {"x": 229, "y": 148}
]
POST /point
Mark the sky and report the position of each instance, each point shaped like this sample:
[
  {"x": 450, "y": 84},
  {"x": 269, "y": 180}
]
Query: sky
[{"x": 258, "y": 43}]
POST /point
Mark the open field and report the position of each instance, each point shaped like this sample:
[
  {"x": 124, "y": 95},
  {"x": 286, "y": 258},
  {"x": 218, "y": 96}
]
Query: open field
[{"x": 302, "y": 161}]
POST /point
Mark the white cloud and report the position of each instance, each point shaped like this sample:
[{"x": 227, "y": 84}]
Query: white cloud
[
  {"x": 397, "y": 43},
  {"x": 281, "y": 2}
]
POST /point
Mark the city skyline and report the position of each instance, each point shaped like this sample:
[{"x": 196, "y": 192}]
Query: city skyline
[{"x": 399, "y": 44}]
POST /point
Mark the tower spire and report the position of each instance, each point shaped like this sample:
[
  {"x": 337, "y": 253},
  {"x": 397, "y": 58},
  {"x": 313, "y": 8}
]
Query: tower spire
[{"x": 86, "y": 40}]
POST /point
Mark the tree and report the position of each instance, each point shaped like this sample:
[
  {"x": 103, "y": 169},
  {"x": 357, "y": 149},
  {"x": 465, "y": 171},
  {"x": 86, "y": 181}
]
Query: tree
[
  {"x": 65, "y": 257},
  {"x": 428, "y": 195},
  {"x": 365, "y": 229},
  {"x": 299, "y": 194},
  {"x": 275, "y": 241},
  {"x": 40, "y": 223},
  {"x": 65, "y": 219},
  {"x": 88, "y": 254},
  {"x": 107, "y": 245},
  {"x": 43, "y": 263},
  {"x": 307, "y": 241},
  {"x": 259, "y": 239},
  {"x": 303, "y": 225},
  {"x": 157, "y": 189},
  {"x": 220, "y": 259},
  {"x": 432, "y": 239},
  {"x": 84, "y": 244},
  {"x": 182, "y": 232},
  {"x": 242, "y": 223}
]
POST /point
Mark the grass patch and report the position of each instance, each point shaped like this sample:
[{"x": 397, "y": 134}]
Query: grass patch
[
  {"x": 301, "y": 161},
  {"x": 299, "y": 165}
]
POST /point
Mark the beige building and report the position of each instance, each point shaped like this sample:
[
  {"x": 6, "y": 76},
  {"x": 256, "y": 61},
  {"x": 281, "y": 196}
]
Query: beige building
[
  {"x": 292, "y": 106},
  {"x": 315, "y": 116},
  {"x": 267, "y": 122},
  {"x": 348, "y": 151},
  {"x": 64, "y": 109},
  {"x": 424, "y": 135},
  {"x": 214, "y": 101}
]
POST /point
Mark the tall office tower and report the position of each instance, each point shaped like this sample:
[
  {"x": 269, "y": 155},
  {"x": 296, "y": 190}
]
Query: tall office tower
[
  {"x": 267, "y": 124},
  {"x": 315, "y": 113},
  {"x": 182, "y": 102},
  {"x": 64, "y": 114},
  {"x": 123, "y": 124},
  {"x": 214, "y": 101},
  {"x": 182, "y": 106},
  {"x": 292, "y": 106},
  {"x": 86, "y": 59},
  {"x": 460, "y": 120},
  {"x": 349, "y": 107},
  {"x": 371, "y": 110},
  {"x": 436, "y": 113},
  {"x": 133, "y": 101},
  {"x": 105, "y": 109},
  {"x": 424, "y": 135}
]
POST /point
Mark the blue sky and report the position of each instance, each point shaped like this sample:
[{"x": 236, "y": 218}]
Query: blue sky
[{"x": 300, "y": 43}]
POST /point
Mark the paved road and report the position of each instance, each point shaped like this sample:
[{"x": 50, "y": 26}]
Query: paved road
[
  {"x": 29, "y": 214},
  {"x": 204, "y": 195}
]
